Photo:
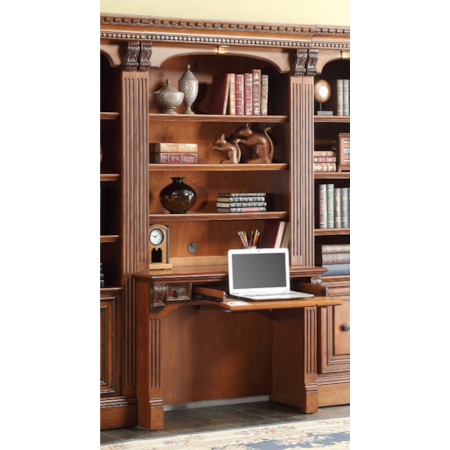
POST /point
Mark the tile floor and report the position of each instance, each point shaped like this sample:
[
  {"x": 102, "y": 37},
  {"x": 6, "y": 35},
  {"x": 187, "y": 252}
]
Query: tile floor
[{"x": 220, "y": 418}]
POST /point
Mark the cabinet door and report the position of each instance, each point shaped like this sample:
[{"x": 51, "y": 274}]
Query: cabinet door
[
  {"x": 334, "y": 329},
  {"x": 108, "y": 304}
]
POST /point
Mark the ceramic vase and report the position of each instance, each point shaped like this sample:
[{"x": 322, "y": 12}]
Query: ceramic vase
[
  {"x": 178, "y": 197},
  {"x": 168, "y": 98},
  {"x": 188, "y": 84}
]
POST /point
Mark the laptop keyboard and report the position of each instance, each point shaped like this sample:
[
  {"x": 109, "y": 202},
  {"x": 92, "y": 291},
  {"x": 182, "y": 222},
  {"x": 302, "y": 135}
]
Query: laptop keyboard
[{"x": 274, "y": 296}]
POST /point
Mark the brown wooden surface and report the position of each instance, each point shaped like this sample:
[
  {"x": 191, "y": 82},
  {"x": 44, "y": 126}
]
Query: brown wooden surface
[
  {"x": 332, "y": 119},
  {"x": 234, "y": 304},
  {"x": 109, "y": 115},
  {"x": 209, "y": 354},
  {"x": 216, "y": 118},
  {"x": 331, "y": 231},
  {"x": 109, "y": 177},
  {"x": 217, "y": 167},
  {"x": 109, "y": 238},
  {"x": 331, "y": 175},
  {"x": 130, "y": 120},
  {"x": 208, "y": 274}
]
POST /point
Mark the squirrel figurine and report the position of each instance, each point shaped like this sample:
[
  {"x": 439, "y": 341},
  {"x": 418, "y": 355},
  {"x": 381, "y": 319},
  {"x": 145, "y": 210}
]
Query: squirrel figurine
[
  {"x": 230, "y": 148},
  {"x": 261, "y": 144}
]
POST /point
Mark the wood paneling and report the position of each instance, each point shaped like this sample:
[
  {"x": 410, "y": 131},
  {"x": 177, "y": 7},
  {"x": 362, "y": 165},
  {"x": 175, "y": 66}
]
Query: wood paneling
[
  {"x": 334, "y": 349},
  {"x": 106, "y": 345},
  {"x": 210, "y": 354}
]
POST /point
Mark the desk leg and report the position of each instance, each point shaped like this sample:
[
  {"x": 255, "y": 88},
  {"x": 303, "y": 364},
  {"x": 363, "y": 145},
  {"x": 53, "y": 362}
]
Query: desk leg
[
  {"x": 148, "y": 360},
  {"x": 295, "y": 358}
]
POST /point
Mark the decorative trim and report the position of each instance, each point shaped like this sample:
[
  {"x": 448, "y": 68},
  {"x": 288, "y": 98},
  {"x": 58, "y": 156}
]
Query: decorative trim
[
  {"x": 130, "y": 60},
  {"x": 157, "y": 296},
  {"x": 192, "y": 24},
  {"x": 219, "y": 40},
  {"x": 155, "y": 354},
  {"x": 145, "y": 56},
  {"x": 301, "y": 57},
  {"x": 313, "y": 56}
]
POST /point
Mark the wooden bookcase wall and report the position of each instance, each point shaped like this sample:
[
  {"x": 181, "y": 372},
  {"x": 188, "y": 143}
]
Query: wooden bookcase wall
[{"x": 137, "y": 56}]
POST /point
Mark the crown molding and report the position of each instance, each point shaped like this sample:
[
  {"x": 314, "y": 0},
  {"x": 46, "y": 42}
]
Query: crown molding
[{"x": 150, "y": 22}]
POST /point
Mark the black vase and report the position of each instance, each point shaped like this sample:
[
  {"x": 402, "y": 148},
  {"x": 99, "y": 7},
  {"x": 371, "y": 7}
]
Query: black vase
[{"x": 178, "y": 197}]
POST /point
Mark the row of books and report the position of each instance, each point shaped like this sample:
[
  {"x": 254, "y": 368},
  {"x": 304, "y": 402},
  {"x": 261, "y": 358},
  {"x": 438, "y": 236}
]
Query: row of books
[
  {"x": 334, "y": 206},
  {"x": 240, "y": 94},
  {"x": 173, "y": 153},
  {"x": 334, "y": 257},
  {"x": 325, "y": 161},
  {"x": 341, "y": 103},
  {"x": 232, "y": 202}
]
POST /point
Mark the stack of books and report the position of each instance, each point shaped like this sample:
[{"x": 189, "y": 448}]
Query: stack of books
[
  {"x": 334, "y": 206},
  {"x": 334, "y": 258},
  {"x": 232, "y": 202},
  {"x": 324, "y": 161},
  {"x": 240, "y": 94},
  {"x": 173, "y": 153}
]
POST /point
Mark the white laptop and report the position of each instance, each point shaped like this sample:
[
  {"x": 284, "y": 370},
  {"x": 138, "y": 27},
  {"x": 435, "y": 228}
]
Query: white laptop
[{"x": 261, "y": 274}]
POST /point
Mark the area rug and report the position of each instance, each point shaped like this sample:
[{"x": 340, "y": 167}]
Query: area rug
[{"x": 318, "y": 434}]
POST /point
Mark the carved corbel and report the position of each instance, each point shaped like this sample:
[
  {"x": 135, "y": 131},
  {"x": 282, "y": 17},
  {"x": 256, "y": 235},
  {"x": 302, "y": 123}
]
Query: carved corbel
[
  {"x": 300, "y": 62},
  {"x": 145, "y": 56},
  {"x": 157, "y": 297},
  {"x": 131, "y": 57},
  {"x": 305, "y": 62},
  {"x": 313, "y": 56}
]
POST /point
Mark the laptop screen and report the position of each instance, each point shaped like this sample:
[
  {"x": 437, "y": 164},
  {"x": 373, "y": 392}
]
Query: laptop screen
[{"x": 258, "y": 269}]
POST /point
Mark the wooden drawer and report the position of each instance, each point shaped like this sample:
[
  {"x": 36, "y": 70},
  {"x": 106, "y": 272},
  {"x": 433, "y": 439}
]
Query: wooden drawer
[
  {"x": 179, "y": 292},
  {"x": 334, "y": 337}
]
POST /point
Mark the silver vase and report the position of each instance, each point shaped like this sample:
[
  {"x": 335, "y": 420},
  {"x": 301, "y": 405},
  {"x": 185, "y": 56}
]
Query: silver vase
[{"x": 188, "y": 84}]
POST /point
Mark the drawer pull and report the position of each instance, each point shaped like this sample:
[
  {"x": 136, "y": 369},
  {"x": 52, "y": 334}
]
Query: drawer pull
[
  {"x": 345, "y": 327},
  {"x": 179, "y": 291}
]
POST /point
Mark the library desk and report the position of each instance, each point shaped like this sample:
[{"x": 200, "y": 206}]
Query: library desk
[{"x": 196, "y": 350}]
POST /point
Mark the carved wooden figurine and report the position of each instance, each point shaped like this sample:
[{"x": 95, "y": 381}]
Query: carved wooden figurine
[
  {"x": 261, "y": 144},
  {"x": 230, "y": 148}
]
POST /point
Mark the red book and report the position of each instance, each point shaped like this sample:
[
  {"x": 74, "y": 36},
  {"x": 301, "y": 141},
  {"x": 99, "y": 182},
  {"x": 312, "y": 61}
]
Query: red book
[
  {"x": 272, "y": 235},
  {"x": 256, "y": 78},
  {"x": 248, "y": 94},
  {"x": 232, "y": 95},
  {"x": 264, "y": 94},
  {"x": 219, "y": 94},
  {"x": 239, "y": 94},
  {"x": 173, "y": 158}
]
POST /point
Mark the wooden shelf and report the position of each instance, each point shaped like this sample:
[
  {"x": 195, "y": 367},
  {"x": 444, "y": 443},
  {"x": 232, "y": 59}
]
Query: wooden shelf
[
  {"x": 241, "y": 305},
  {"x": 331, "y": 175},
  {"x": 109, "y": 176},
  {"x": 217, "y": 167},
  {"x": 109, "y": 115},
  {"x": 331, "y": 231},
  {"x": 215, "y": 118},
  {"x": 332, "y": 119},
  {"x": 109, "y": 238},
  {"x": 208, "y": 217}
]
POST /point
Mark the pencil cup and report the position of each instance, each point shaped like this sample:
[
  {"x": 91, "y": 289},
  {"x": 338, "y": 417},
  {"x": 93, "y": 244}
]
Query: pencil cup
[{"x": 251, "y": 247}]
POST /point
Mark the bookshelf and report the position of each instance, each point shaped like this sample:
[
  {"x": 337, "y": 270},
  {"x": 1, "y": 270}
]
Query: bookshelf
[
  {"x": 148, "y": 315},
  {"x": 333, "y": 323}
]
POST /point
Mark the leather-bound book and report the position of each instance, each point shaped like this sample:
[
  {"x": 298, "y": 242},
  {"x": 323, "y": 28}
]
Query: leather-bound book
[
  {"x": 272, "y": 235},
  {"x": 248, "y": 94},
  {"x": 256, "y": 79},
  {"x": 232, "y": 95},
  {"x": 239, "y": 94},
  {"x": 264, "y": 94},
  {"x": 220, "y": 89}
]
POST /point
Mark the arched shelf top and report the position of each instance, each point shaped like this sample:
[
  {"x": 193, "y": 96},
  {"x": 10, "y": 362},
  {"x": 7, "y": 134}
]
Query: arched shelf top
[
  {"x": 112, "y": 54},
  {"x": 279, "y": 59},
  {"x": 331, "y": 57}
]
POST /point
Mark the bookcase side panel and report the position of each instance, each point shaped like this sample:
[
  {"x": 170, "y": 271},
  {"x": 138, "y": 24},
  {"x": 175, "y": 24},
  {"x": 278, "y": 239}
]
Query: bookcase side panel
[
  {"x": 302, "y": 177},
  {"x": 134, "y": 205}
]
